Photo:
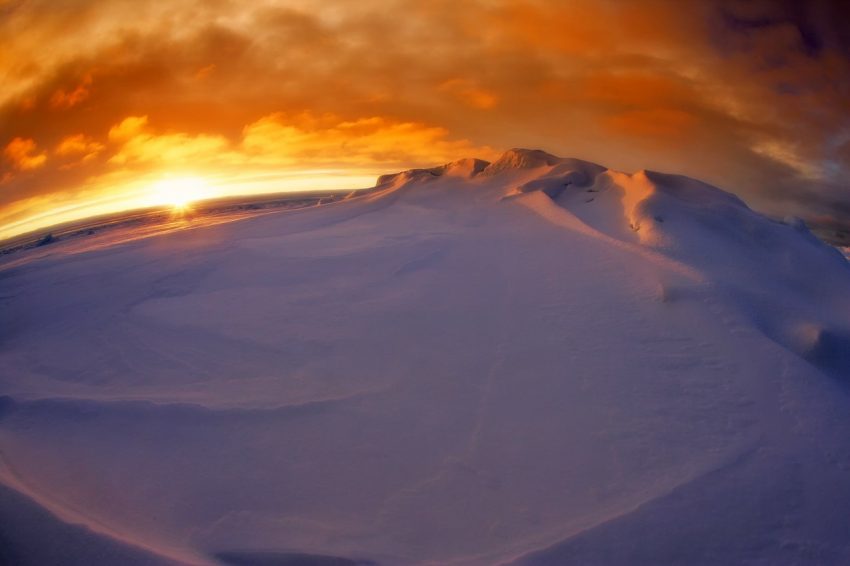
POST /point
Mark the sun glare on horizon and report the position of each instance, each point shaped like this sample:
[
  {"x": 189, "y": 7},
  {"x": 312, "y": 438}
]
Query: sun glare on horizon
[{"x": 179, "y": 192}]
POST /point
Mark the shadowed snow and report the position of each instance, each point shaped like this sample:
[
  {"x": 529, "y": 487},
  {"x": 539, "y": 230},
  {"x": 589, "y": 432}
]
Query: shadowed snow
[{"x": 536, "y": 360}]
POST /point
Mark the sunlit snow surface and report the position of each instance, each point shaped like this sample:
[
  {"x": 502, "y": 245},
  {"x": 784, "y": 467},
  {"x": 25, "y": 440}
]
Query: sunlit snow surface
[{"x": 538, "y": 361}]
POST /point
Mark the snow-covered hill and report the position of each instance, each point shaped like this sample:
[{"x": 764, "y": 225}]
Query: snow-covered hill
[{"x": 531, "y": 361}]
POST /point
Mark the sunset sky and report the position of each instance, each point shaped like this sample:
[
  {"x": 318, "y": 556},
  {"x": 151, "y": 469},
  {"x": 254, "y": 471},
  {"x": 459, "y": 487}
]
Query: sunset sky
[{"x": 105, "y": 105}]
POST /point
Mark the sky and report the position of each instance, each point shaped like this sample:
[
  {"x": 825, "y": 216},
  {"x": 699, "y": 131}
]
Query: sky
[{"x": 113, "y": 104}]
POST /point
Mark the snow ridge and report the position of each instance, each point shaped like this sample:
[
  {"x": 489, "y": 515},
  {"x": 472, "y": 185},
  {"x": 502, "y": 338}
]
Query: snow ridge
[{"x": 536, "y": 361}]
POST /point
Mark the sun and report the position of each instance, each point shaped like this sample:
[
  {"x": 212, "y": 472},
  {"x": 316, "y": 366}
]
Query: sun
[{"x": 179, "y": 192}]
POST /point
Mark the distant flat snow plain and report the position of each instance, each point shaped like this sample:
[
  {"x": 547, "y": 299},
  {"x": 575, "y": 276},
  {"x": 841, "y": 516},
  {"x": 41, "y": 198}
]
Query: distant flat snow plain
[{"x": 534, "y": 361}]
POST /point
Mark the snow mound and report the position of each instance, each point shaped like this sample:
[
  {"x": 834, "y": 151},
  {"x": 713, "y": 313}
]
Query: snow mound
[
  {"x": 535, "y": 361},
  {"x": 464, "y": 168},
  {"x": 826, "y": 348},
  {"x": 467, "y": 168},
  {"x": 522, "y": 159},
  {"x": 711, "y": 234},
  {"x": 567, "y": 174}
]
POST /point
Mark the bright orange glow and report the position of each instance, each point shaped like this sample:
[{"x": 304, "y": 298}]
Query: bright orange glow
[
  {"x": 136, "y": 164},
  {"x": 179, "y": 192},
  {"x": 143, "y": 191},
  {"x": 104, "y": 100}
]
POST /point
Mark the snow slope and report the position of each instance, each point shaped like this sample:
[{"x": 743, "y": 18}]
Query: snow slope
[{"x": 534, "y": 361}]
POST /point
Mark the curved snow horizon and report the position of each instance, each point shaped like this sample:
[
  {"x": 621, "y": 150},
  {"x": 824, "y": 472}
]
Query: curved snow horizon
[{"x": 532, "y": 361}]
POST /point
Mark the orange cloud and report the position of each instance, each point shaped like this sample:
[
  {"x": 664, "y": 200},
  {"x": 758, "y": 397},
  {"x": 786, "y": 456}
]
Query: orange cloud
[
  {"x": 204, "y": 72},
  {"x": 470, "y": 93},
  {"x": 590, "y": 29},
  {"x": 127, "y": 128},
  {"x": 24, "y": 155},
  {"x": 651, "y": 123},
  {"x": 63, "y": 100},
  {"x": 730, "y": 91},
  {"x": 633, "y": 88},
  {"x": 307, "y": 137},
  {"x": 81, "y": 146},
  {"x": 176, "y": 149},
  {"x": 790, "y": 155}
]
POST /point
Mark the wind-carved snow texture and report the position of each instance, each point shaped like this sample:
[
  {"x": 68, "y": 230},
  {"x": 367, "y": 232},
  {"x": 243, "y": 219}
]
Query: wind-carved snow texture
[{"x": 535, "y": 361}]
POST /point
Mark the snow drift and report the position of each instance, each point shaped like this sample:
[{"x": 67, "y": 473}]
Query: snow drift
[{"x": 531, "y": 361}]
